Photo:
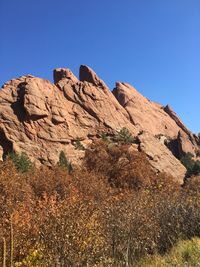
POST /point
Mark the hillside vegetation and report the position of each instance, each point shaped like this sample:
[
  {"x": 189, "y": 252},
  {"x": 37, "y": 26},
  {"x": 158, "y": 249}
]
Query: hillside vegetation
[{"x": 114, "y": 210}]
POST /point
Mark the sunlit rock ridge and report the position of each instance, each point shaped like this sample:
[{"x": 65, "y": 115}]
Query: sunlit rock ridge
[{"x": 42, "y": 119}]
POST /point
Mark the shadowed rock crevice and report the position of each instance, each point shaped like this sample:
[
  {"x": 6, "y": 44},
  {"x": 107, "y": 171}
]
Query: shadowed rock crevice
[
  {"x": 6, "y": 144},
  {"x": 18, "y": 105},
  {"x": 120, "y": 95},
  {"x": 173, "y": 146},
  {"x": 123, "y": 102}
]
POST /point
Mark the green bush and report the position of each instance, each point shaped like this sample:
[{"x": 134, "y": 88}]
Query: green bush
[
  {"x": 125, "y": 137},
  {"x": 192, "y": 166},
  {"x": 64, "y": 162},
  {"x": 104, "y": 137},
  {"x": 21, "y": 161},
  {"x": 78, "y": 145}
]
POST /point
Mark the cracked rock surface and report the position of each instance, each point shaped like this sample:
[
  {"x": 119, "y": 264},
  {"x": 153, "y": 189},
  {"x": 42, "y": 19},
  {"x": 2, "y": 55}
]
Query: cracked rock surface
[{"x": 42, "y": 118}]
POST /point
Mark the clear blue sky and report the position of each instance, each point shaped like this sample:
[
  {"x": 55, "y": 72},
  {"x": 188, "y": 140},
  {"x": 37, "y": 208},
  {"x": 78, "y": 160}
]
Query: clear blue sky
[{"x": 151, "y": 44}]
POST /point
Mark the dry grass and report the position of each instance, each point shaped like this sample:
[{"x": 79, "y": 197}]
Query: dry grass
[{"x": 184, "y": 253}]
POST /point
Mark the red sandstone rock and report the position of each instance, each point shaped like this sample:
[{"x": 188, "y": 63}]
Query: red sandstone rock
[
  {"x": 61, "y": 73},
  {"x": 86, "y": 74},
  {"x": 42, "y": 119},
  {"x": 161, "y": 157},
  {"x": 153, "y": 118}
]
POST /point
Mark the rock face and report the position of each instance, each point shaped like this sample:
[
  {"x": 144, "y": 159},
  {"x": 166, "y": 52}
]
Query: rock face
[
  {"x": 160, "y": 157},
  {"x": 155, "y": 119},
  {"x": 60, "y": 73},
  {"x": 42, "y": 118}
]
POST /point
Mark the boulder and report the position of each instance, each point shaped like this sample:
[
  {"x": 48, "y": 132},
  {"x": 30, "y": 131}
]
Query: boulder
[{"x": 160, "y": 157}]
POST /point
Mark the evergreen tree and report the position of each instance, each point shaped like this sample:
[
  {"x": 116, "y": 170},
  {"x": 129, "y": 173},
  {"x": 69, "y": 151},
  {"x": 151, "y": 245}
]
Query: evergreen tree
[
  {"x": 64, "y": 162},
  {"x": 21, "y": 161}
]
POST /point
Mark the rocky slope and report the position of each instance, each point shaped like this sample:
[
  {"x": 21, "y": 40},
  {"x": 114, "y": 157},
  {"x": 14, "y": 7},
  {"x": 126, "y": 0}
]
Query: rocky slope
[{"x": 42, "y": 119}]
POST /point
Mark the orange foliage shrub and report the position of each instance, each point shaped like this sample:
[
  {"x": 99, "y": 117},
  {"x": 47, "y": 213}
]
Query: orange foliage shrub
[
  {"x": 111, "y": 212},
  {"x": 119, "y": 164}
]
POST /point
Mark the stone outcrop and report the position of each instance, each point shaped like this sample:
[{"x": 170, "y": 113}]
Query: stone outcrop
[
  {"x": 175, "y": 118},
  {"x": 154, "y": 118},
  {"x": 145, "y": 114},
  {"x": 185, "y": 143},
  {"x": 61, "y": 73},
  {"x": 86, "y": 74},
  {"x": 160, "y": 157},
  {"x": 42, "y": 118}
]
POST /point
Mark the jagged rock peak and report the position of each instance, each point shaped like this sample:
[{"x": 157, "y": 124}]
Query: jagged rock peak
[
  {"x": 174, "y": 116},
  {"x": 17, "y": 80},
  {"x": 151, "y": 116},
  {"x": 63, "y": 73},
  {"x": 124, "y": 92},
  {"x": 86, "y": 74}
]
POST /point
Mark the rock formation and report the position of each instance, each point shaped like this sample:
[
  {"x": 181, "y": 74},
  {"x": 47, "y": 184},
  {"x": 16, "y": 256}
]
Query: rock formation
[
  {"x": 42, "y": 119},
  {"x": 161, "y": 158}
]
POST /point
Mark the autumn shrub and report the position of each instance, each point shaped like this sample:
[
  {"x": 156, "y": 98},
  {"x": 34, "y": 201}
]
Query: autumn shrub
[
  {"x": 113, "y": 211},
  {"x": 180, "y": 215},
  {"x": 191, "y": 198},
  {"x": 192, "y": 186},
  {"x": 71, "y": 230},
  {"x": 50, "y": 182},
  {"x": 16, "y": 200},
  {"x": 14, "y": 190},
  {"x": 122, "y": 166}
]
